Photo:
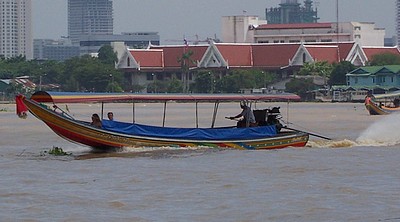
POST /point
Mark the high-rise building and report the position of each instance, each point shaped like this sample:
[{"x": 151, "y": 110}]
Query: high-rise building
[
  {"x": 89, "y": 17},
  {"x": 16, "y": 28},
  {"x": 398, "y": 22},
  {"x": 290, "y": 11}
]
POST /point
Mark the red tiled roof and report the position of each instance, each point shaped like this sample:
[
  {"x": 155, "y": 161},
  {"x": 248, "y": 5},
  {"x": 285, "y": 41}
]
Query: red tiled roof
[
  {"x": 237, "y": 55},
  {"x": 371, "y": 51},
  {"x": 148, "y": 58},
  {"x": 324, "y": 53},
  {"x": 344, "y": 47},
  {"x": 296, "y": 26},
  {"x": 273, "y": 55},
  {"x": 173, "y": 53}
]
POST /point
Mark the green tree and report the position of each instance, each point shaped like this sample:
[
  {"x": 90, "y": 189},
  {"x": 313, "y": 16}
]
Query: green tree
[
  {"x": 385, "y": 59},
  {"x": 89, "y": 74},
  {"x": 323, "y": 69},
  {"x": 174, "y": 86},
  {"x": 338, "y": 75},
  {"x": 107, "y": 55},
  {"x": 300, "y": 86},
  {"x": 204, "y": 82}
]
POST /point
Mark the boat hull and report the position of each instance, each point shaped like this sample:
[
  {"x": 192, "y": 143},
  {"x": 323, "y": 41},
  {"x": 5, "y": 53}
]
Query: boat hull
[
  {"x": 374, "y": 109},
  {"x": 82, "y": 133}
]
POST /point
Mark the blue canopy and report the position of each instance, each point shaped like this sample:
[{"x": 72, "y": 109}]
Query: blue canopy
[{"x": 231, "y": 133}]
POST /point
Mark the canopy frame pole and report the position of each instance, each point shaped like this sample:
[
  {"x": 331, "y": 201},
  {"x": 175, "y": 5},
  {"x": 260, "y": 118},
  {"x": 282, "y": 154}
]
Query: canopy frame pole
[
  {"x": 102, "y": 110},
  {"x": 197, "y": 115},
  {"x": 133, "y": 111},
  {"x": 287, "y": 111},
  {"x": 216, "y": 104},
  {"x": 165, "y": 110}
]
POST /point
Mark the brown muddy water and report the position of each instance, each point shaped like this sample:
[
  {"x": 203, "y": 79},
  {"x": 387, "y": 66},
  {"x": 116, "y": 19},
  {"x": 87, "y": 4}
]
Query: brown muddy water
[{"x": 354, "y": 177}]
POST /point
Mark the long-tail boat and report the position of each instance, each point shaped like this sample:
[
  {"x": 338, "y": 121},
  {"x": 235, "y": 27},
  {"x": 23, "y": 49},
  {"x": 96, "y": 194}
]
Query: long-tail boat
[
  {"x": 382, "y": 104},
  {"x": 114, "y": 134}
]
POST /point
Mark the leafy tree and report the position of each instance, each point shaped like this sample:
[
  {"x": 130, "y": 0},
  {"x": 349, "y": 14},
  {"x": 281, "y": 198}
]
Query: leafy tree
[
  {"x": 174, "y": 86},
  {"x": 338, "y": 75},
  {"x": 107, "y": 55},
  {"x": 203, "y": 82},
  {"x": 385, "y": 59},
  {"x": 300, "y": 86},
  {"x": 89, "y": 74},
  {"x": 322, "y": 68}
]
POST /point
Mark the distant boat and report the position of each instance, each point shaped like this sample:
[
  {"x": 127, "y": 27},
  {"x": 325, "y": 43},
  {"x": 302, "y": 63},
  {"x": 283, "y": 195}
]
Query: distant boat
[
  {"x": 383, "y": 104},
  {"x": 115, "y": 134}
]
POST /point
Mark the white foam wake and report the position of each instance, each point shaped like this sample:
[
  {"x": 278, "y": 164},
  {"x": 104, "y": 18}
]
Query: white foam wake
[{"x": 383, "y": 132}]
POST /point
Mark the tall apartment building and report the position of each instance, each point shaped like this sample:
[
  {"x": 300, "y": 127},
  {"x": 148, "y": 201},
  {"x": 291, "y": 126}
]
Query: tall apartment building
[
  {"x": 89, "y": 17},
  {"x": 398, "y": 22},
  {"x": 16, "y": 28}
]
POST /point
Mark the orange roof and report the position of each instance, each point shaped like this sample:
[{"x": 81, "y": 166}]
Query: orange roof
[
  {"x": 344, "y": 48},
  {"x": 237, "y": 55},
  {"x": 273, "y": 55},
  {"x": 173, "y": 53},
  {"x": 148, "y": 58},
  {"x": 324, "y": 53},
  {"x": 371, "y": 51}
]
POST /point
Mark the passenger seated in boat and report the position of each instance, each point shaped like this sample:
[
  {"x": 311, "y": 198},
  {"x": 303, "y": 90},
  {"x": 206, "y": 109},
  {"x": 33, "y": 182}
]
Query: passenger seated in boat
[
  {"x": 110, "y": 116},
  {"x": 247, "y": 115},
  {"x": 96, "y": 122}
]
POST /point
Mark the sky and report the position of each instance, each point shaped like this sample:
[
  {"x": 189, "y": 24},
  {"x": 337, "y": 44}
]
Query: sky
[{"x": 176, "y": 19}]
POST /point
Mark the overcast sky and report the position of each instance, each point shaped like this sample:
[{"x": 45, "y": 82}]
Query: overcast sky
[{"x": 173, "y": 19}]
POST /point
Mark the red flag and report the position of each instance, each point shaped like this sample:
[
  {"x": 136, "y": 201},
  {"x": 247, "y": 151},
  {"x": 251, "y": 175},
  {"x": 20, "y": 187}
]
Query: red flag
[{"x": 21, "y": 108}]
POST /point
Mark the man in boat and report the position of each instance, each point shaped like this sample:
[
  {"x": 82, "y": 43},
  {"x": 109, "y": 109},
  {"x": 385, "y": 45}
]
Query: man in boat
[{"x": 247, "y": 115}]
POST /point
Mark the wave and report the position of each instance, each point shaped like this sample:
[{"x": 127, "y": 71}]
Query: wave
[
  {"x": 331, "y": 143},
  {"x": 383, "y": 132}
]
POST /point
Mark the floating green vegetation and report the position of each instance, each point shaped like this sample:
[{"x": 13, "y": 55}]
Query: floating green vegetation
[{"x": 56, "y": 151}]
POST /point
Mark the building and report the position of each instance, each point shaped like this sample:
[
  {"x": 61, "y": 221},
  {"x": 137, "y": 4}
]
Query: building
[
  {"x": 386, "y": 78},
  {"x": 92, "y": 43},
  {"x": 248, "y": 29},
  {"x": 398, "y": 22},
  {"x": 89, "y": 17},
  {"x": 161, "y": 63},
  {"x": 235, "y": 29},
  {"x": 364, "y": 33},
  {"x": 16, "y": 28},
  {"x": 58, "y": 50},
  {"x": 290, "y": 11}
]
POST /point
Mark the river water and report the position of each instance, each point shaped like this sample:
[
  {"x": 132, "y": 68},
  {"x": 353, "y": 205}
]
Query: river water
[{"x": 354, "y": 177}]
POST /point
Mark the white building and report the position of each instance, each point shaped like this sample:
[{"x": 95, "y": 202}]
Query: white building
[
  {"x": 16, "y": 28},
  {"x": 237, "y": 29},
  {"x": 240, "y": 29}
]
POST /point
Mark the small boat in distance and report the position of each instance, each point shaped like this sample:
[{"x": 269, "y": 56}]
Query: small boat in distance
[
  {"x": 115, "y": 134},
  {"x": 382, "y": 104}
]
